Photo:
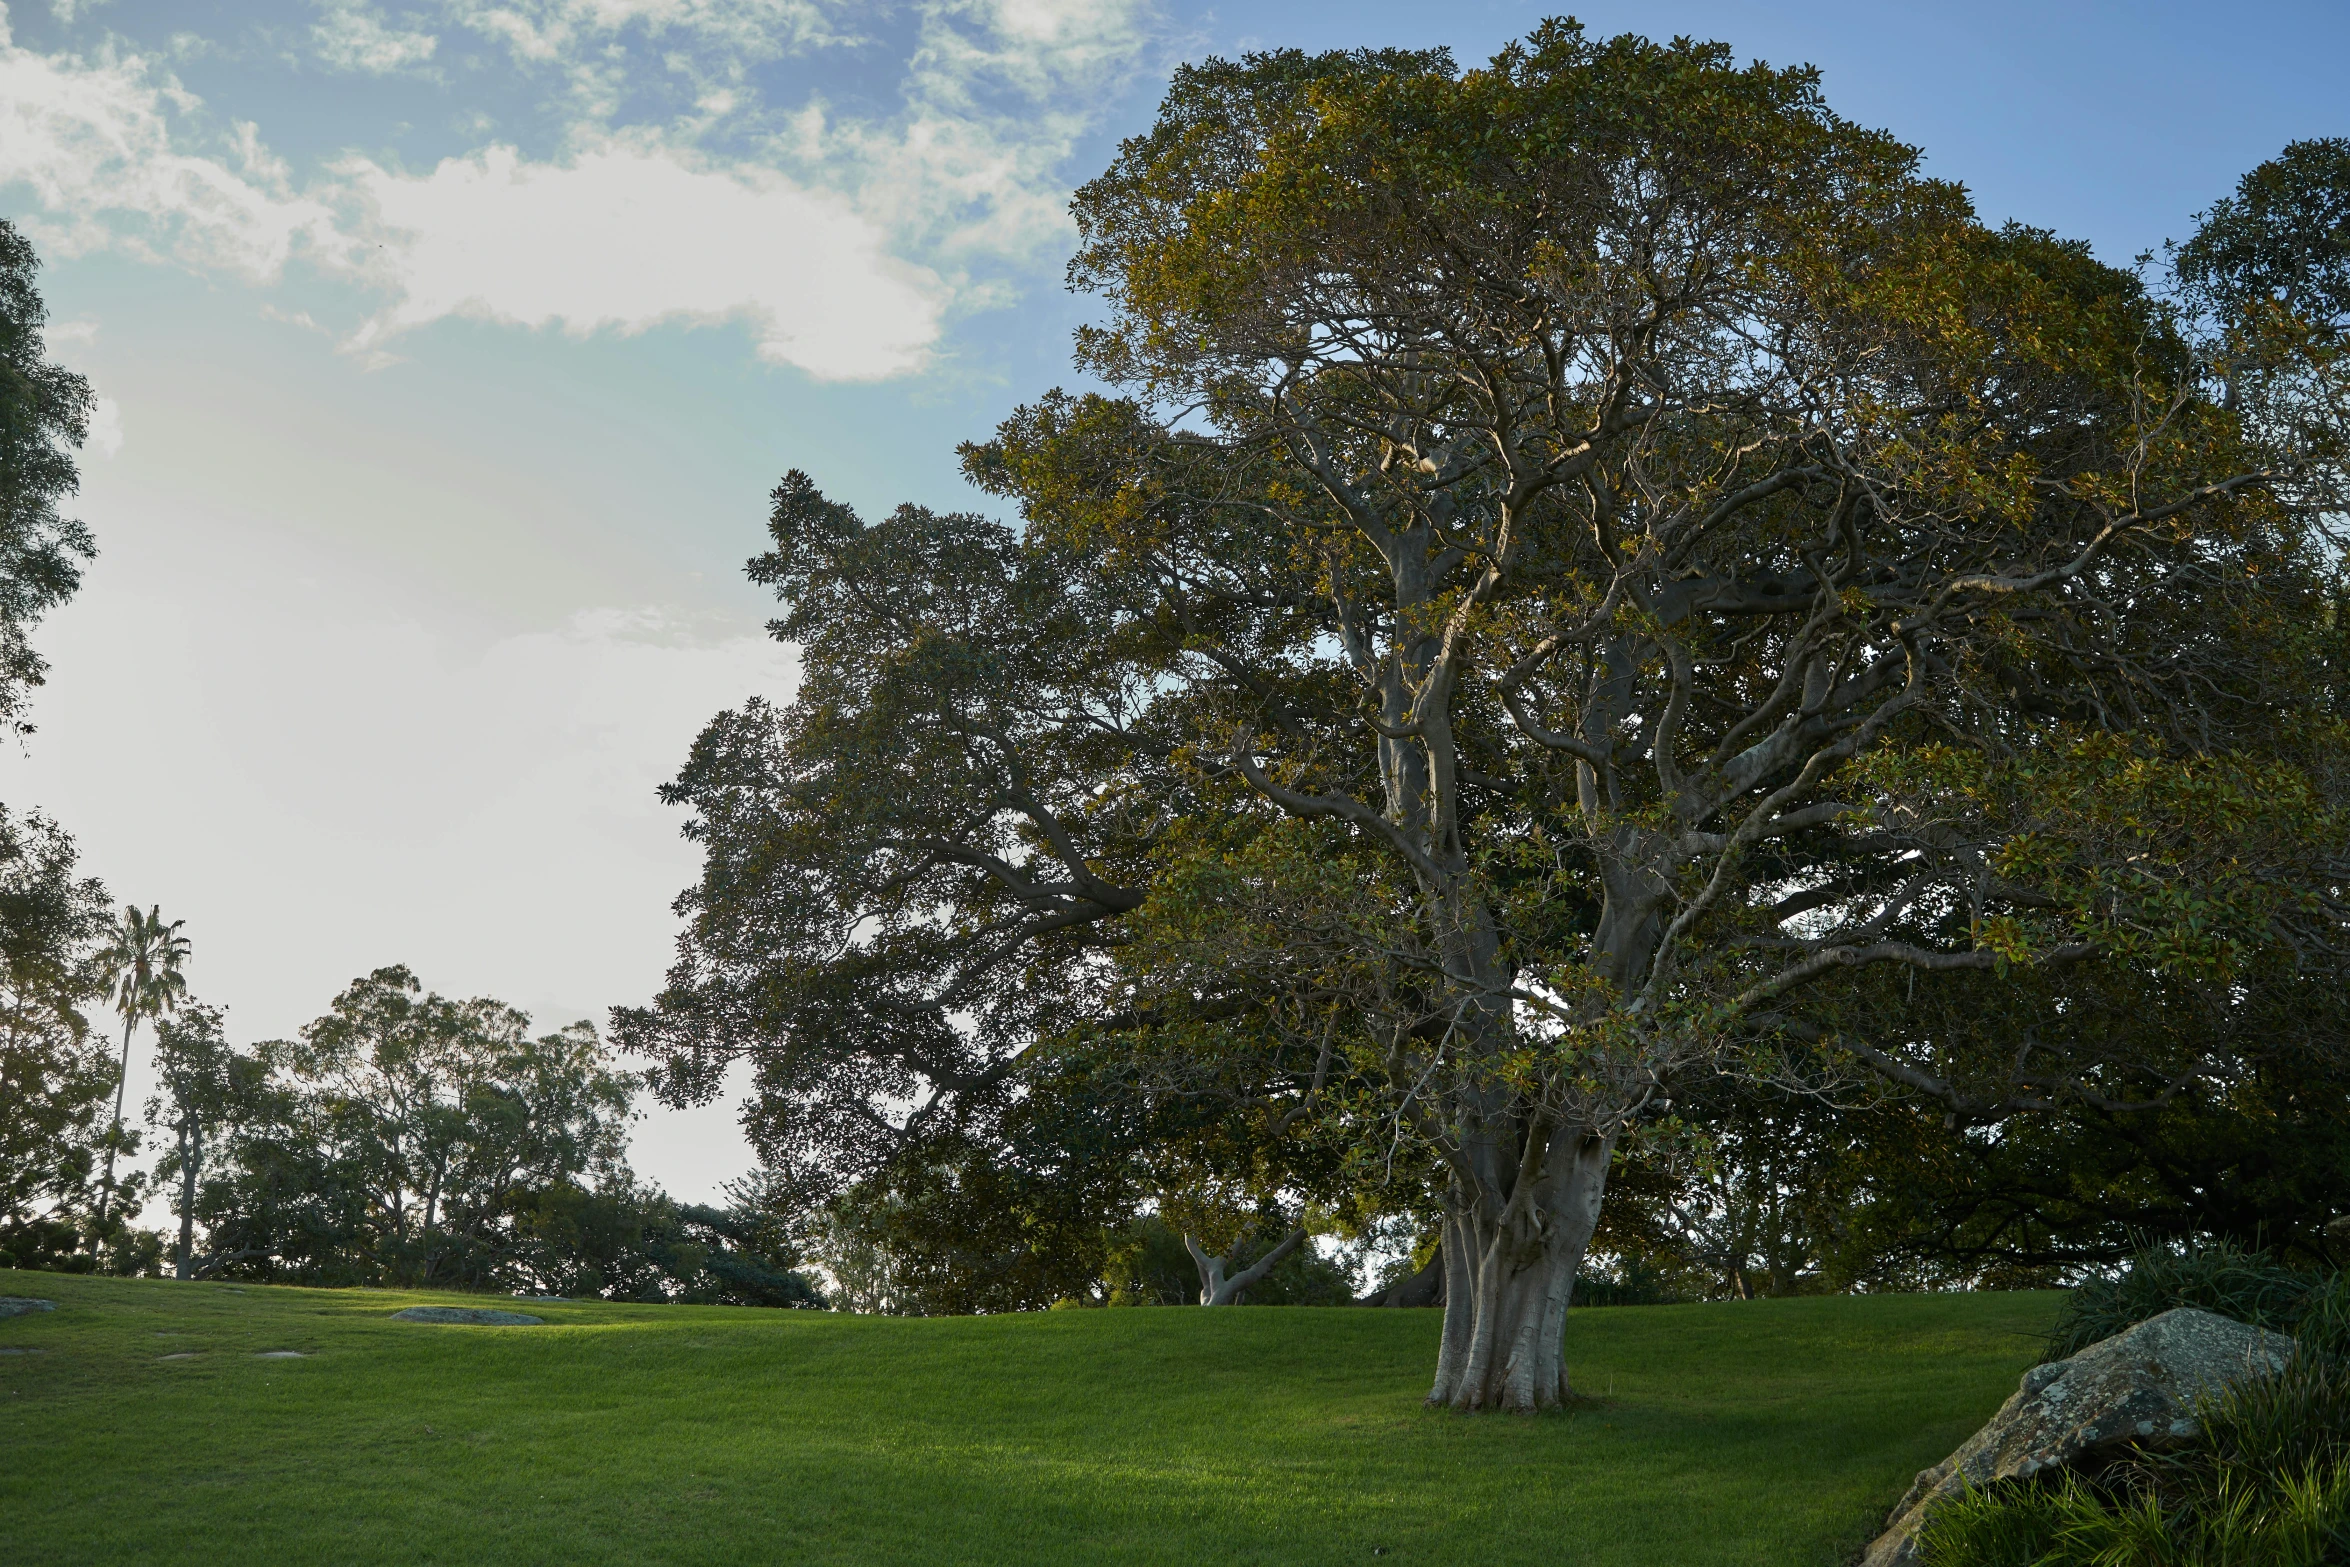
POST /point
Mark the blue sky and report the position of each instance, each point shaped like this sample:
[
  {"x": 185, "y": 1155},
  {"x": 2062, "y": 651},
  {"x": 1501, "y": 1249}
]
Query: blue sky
[{"x": 449, "y": 348}]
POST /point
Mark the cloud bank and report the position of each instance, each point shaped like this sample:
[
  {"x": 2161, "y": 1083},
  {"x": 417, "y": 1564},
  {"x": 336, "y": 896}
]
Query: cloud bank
[{"x": 841, "y": 243}]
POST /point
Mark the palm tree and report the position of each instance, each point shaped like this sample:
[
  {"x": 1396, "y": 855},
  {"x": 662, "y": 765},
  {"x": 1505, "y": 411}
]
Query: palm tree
[{"x": 144, "y": 961}]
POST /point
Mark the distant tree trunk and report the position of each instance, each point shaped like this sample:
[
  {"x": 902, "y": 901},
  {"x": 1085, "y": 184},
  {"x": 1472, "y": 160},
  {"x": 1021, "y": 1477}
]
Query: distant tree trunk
[
  {"x": 122, "y": 1080},
  {"x": 432, "y": 1204},
  {"x": 1215, "y": 1288},
  {"x": 1424, "y": 1288},
  {"x": 191, "y": 1161}
]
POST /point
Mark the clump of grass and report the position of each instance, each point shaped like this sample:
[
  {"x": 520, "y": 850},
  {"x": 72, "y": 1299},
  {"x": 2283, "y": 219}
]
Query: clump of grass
[
  {"x": 2267, "y": 1483},
  {"x": 2300, "y": 1520},
  {"x": 2218, "y": 1276}
]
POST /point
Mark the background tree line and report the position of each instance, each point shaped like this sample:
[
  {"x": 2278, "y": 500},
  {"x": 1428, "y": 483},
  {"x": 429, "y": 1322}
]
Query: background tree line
[{"x": 403, "y": 1138}]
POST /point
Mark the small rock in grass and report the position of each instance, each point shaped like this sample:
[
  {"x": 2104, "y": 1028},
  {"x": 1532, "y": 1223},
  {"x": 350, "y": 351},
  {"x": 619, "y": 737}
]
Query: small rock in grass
[
  {"x": 279, "y": 1354},
  {"x": 18, "y": 1349},
  {"x": 467, "y": 1315},
  {"x": 18, "y": 1305},
  {"x": 185, "y": 1354}
]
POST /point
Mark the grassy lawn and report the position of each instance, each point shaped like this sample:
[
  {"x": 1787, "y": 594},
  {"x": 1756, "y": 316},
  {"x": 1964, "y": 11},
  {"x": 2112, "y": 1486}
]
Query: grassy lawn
[{"x": 1745, "y": 1432}]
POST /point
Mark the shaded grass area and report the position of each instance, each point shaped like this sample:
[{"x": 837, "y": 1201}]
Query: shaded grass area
[{"x": 1743, "y": 1432}]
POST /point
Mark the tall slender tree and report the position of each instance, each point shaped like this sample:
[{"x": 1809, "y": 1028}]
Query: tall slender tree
[
  {"x": 207, "y": 1088},
  {"x": 146, "y": 959}
]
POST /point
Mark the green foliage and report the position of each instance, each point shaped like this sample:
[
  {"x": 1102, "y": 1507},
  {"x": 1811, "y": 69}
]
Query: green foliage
[
  {"x": 1631, "y": 1282},
  {"x": 2216, "y": 1276},
  {"x": 56, "y": 1074},
  {"x": 953, "y": 1229},
  {"x": 399, "y": 1137},
  {"x": 207, "y": 1087},
  {"x": 44, "y": 414},
  {"x": 144, "y": 962},
  {"x": 2282, "y": 239},
  {"x": 1594, "y": 575},
  {"x": 621, "y": 1241},
  {"x": 1147, "y": 1264}
]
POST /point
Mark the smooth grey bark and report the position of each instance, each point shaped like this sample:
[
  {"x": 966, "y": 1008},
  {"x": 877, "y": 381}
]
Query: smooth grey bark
[
  {"x": 1217, "y": 1285},
  {"x": 1510, "y": 1276}
]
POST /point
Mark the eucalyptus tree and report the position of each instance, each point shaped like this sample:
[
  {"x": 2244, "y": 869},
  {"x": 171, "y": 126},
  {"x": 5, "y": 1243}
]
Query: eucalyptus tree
[
  {"x": 207, "y": 1087},
  {"x": 144, "y": 960},
  {"x": 437, "y": 1117},
  {"x": 1596, "y": 562}
]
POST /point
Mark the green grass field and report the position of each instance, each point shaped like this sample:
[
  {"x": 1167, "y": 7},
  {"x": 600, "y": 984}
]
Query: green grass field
[{"x": 1769, "y": 1431}]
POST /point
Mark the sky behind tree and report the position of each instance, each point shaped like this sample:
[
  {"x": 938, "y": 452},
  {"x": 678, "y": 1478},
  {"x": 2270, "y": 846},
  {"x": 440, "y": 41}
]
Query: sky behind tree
[{"x": 447, "y": 351}]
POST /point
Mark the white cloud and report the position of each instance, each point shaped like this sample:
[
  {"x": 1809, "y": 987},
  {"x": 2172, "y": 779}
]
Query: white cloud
[
  {"x": 105, "y": 437},
  {"x": 549, "y": 30},
  {"x": 352, "y": 37},
  {"x": 814, "y": 242},
  {"x": 634, "y": 232},
  {"x": 96, "y": 144},
  {"x": 998, "y": 92},
  {"x": 585, "y": 42},
  {"x": 1039, "y": 47},
  {"x": 624, "y": 234}
]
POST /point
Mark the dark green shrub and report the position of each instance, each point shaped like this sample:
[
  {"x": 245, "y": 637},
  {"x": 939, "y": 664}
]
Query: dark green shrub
[
  {"x": 2323, "y": 1326},
  {"x": 2217, "y": 1276},
  {"x": 2283, "y": 1424}
]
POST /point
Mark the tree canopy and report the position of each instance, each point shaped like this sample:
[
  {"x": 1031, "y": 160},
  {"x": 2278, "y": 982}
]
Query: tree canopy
[
  {"x": 44, "y": 414},
  {"x": 55, "y": 1073},
  {"x": 1600, "y": 573}
]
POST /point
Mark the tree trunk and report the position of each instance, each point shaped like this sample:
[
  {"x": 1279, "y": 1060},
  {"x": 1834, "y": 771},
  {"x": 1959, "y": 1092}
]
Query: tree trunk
[
  {"x": 1424, "y": 1288},
  {"x": 1215, "y": 1289},
  {"x": 191, "y": 1160},
  {"x": 122, "y": 1081},
  {"x": 1510, "y": 1268},
  {"x": 432, "y": 1203}
]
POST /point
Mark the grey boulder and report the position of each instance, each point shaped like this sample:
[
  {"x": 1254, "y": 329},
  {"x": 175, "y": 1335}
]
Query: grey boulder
[
  {"x": 18, "y": 1305},
  {"x": 2138, "y": 1387},
  {"x": 467, "y": 1315}
]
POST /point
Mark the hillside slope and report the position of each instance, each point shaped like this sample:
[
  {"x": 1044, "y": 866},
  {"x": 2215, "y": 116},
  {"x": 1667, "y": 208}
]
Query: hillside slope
[{"x": 1745, "y": 1432}]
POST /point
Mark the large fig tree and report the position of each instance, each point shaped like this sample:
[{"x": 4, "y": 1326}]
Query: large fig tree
[{"x": 1597, "y": 564}]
